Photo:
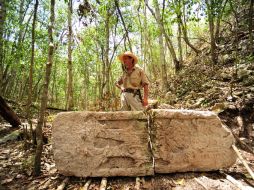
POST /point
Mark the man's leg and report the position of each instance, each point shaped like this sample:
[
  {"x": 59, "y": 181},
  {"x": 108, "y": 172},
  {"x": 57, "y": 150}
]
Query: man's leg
[
  {"x": 135, "y": 103},
  {"x": 124, "y": 102}
]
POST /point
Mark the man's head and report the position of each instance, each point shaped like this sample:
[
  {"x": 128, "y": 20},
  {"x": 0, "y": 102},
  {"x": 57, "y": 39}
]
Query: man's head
[{"x": 128, "y": 59}]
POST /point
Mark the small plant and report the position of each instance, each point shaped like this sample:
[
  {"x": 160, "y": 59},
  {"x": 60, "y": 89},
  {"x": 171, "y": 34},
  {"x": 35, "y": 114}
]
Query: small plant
[{"x": 27, "y": 165}]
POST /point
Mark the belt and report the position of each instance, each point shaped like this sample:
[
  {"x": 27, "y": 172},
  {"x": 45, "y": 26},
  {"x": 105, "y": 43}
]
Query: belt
[{"x": 130, "y": 90}]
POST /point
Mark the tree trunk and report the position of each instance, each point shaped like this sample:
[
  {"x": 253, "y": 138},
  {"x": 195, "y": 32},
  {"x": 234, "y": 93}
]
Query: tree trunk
[
  {"x": 251, "y": 47},
  {"x": 186, "y": 38},
  {"x": 70, "y": 101},
  {"x": 30, "y": 91},
  {"x": 218, "y": 19},
  {"x": 162, "y": 54},
  {"x": 168, "y": 40},
  {"x": 211, "y": 30},
  {"x": 44, "y": 97},
  {"x": 16, "y": 51},
  {"x": 145, "y": 40},
  {"x": 183, "y": 25},
  {"x": 126, "y": 31},
  {"x": 106, "y": 66},
  {"x": 8, "y": 114},
  {"x": 179, "y": 40},
  {"x": 2, "y": 21}
]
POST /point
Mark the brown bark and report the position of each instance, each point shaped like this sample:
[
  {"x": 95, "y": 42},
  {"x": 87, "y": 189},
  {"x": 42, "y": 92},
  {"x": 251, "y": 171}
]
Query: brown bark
[
  {"x": 146, "y": 49},
  {"x": 211, "y": 30},
  {"x": 30, "y": 90},
  {"x": 180, "y": 49},
  {"x": 8, "y": 114},
  {"x": 162, "y": 54},
  {"x": 106, "y": 67},
  {"x": 2, "y": 21},
  {"x": 251, "y": 47},
  {"x": 70, "y": 100},
  {"x": 44, "y": 98}
]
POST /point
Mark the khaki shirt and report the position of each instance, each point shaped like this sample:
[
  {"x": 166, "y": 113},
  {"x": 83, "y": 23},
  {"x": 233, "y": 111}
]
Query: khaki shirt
[{"x": 134, "y": 80}]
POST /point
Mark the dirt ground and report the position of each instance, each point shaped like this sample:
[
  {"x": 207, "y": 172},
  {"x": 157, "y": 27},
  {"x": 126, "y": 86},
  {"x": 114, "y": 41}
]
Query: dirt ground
[{"x": 16, "y": 165}]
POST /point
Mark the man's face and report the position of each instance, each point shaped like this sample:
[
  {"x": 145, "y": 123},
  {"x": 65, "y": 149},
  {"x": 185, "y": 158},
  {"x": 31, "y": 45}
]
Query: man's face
[{"x": 128, "y": 61}]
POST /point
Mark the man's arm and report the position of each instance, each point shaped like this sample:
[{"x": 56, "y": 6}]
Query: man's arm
[
  {"x": 145, "y": 101},
  {"x": 119, "y": 84}
]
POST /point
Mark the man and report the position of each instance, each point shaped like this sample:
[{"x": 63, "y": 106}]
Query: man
[{"x": 130, "y": 83}]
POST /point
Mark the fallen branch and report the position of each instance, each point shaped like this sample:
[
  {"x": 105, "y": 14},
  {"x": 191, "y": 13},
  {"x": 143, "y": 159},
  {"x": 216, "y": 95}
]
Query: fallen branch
[
  {"x": 200, "y": 183},
  {"x": 243, "y": 161},
  {"x": 8, "y": 114},
  {"x": 86, "y": 186},
  {"x": 103, "y": 183},
  {"x": 237, "y": 183},
  {"x": 63, "y": 184}
]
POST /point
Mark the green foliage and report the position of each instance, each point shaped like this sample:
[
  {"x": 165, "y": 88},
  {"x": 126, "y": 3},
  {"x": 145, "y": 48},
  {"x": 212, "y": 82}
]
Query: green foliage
[{"x": 89, "y": 44}]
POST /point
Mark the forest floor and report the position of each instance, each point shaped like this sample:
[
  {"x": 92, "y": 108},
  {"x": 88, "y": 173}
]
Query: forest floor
[{"x": 16, "y": 165}]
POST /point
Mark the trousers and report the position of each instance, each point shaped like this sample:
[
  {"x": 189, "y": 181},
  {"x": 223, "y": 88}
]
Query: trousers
[{"x": 129, "y": 102}]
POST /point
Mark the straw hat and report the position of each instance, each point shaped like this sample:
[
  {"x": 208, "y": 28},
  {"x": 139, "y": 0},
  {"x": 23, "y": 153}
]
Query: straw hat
[{"x": 128, "y": 53}]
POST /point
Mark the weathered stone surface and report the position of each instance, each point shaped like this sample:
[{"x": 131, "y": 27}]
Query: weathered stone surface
[
  {"x": 101, "y": 144},
  {"x": 185, "y": 140}
]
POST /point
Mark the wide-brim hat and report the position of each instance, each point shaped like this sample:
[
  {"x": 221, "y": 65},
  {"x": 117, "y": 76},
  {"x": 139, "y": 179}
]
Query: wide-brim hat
[{"x": 128, "y": 53}]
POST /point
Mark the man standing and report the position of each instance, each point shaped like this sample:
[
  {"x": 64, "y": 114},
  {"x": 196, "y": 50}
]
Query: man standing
[{"x": 131, "y": 82}]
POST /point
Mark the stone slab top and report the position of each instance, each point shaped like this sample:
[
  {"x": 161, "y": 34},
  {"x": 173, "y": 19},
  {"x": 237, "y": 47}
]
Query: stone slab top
[
  {"x": 183, "y": 114},
  {"x": 107, "y": 116}
]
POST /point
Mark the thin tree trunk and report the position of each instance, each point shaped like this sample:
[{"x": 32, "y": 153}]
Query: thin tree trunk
[
  {"x": 183, "y": 25},
  {"x": 30, "y": 91},
  {"x": 17, "y": 47},
  {"x": 168, "y": 40},
  {"x": 184, "y": 28},
  {"x": 251, "y": 47},
  {"x": 142, "y": 38},
  {"x": 218, "y": 20},
  {"x": 153, "y": 66},
  {"x": 145, "y": 39},
  {"x": 2, "y": 24},
  {"x": 179, "y": 40},
  {"x": 53, "y": 89},
  {"x": 186, "y": 38},
  {"x": 44, "y": 98},
  {"x": 162, "y": 54},
  {"x": 106, "y": 65},
  {"x": 70, "y": 101},
  {"x": 211, "y": 30},
  {"x": 126, "y": 31}
]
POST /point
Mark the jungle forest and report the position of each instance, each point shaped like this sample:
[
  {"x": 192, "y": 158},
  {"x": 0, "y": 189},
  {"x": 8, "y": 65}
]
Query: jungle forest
[{"x": 63, "y": 56}]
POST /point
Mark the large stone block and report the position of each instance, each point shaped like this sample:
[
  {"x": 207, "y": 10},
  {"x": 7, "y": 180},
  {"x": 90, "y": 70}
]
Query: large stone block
[
  {"x": 102, "y": 144},
  {"x": 187, "y": 140}
]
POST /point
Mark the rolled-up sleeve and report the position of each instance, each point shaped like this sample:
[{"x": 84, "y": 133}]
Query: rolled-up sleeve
[
  {"x": 119, "y": 81},
  {"x": 144, "y": 79}
]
